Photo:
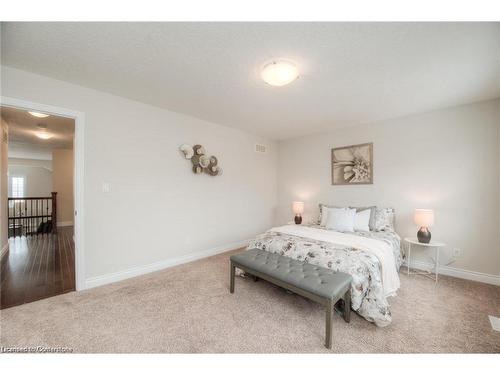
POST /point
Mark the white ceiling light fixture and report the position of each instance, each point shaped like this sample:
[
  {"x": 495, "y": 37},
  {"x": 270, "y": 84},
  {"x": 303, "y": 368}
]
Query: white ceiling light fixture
[
  {"x": 38, "y": 114},
  {"x": 279, "y": 73},
  {"x": 42, "y": 132}
]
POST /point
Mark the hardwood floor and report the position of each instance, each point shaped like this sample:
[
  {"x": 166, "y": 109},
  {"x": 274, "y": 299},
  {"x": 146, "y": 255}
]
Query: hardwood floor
[{"x": 37, "y": 267}]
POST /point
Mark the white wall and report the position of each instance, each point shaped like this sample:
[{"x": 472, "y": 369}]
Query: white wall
[
  {"x": 447, "y": 160},
  {"x": 47, "y": 164},
  {"x": 38, "y": 177},
  {"x": 157, "y": 208},
  {"x": 62, "y": 177},
  {"x": 21, "y": 150}
]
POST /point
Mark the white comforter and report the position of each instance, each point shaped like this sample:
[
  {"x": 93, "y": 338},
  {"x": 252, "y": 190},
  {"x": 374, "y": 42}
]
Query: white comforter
[{"x": 381, "y": 249}]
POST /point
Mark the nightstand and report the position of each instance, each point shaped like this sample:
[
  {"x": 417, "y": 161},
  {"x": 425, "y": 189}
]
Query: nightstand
[{"x": 433, "y": 244}]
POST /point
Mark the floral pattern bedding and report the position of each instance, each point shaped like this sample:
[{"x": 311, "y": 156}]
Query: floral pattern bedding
[{"x": 367, "y": 293}]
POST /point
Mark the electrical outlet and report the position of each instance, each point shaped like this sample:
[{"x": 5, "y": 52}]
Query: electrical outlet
[
  {"x": 456, "y": 252},
  {"x": 106, "y": 187}
]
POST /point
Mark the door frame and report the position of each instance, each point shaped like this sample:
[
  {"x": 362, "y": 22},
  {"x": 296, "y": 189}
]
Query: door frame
[{"x": 78, "y": 174}]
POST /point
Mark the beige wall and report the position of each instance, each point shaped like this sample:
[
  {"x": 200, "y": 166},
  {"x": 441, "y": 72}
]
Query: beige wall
[
  {"x": 157, "y": 209},
  {"x": 62, "y": 164},
  {"x": 3, "y": 185},
  {"x": 447, "y": 160}
]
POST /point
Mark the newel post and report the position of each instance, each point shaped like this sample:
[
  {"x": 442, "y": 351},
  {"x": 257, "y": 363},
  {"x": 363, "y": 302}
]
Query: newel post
[{"x": 54, "y": 212}]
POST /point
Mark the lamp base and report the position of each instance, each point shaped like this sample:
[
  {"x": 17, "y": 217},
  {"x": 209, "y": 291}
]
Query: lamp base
[
  {"x": 298, "y": 219},
  {"x": 423, "y": 235}
]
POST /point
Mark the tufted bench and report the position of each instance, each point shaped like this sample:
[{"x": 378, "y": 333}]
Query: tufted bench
[{"x": 319, "y": 284}]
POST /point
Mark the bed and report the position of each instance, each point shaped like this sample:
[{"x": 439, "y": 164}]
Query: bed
[{"x": 372, "y": 258}]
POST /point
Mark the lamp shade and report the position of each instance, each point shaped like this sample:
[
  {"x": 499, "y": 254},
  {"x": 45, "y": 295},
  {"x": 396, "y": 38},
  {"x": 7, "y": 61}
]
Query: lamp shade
[
  {"x": 298, "y": 207},
  {"x": 424, "y": 217}
]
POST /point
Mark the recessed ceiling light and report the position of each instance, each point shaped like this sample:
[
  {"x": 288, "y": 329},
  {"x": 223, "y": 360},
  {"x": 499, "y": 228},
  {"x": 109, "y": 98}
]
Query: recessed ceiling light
[
  {"x": 42, "y": 132},
  {"x": 44, "y": 135},
  {"x": 279, "y": 73},
  {"x": 38, "y": 114}
]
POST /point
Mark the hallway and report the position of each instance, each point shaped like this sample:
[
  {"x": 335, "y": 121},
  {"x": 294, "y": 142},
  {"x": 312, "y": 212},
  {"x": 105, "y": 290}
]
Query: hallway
[{"x": 37, "y": 267}]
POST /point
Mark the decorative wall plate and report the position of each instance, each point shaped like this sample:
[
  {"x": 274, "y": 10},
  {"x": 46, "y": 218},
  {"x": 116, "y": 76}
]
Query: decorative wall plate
[
  {"x": 204, "y": 161},
  {"x": 213, "y": 170},
  {"x": 199, "y": 150},
  {"x": 195, "y": 159},
  {"x": 200, "y": 161},
  {"x": 187, "y": 150}
]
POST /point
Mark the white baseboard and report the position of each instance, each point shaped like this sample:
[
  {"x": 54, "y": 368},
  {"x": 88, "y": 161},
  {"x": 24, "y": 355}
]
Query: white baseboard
[
  {"x": 64, "y": 223},
  {"x": 4, "y": 251},
  {"x": 93, "y": 282},
  {"x": 457, "y": 272}
]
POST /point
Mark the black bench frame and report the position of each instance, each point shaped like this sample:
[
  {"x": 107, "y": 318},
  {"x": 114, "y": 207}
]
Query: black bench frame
[{"x": 328, "y": 303}]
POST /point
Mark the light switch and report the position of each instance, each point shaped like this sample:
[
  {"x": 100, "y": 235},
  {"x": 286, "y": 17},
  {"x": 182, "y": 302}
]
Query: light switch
[{"x": 106, "y": 187}]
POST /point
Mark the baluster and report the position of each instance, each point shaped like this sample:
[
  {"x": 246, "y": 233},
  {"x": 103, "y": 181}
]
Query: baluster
[
  {"x": 16, "y": 207},
  {"x": 54, "y": 212},
  {"x": 25, "y": 230},
  {"x": 18, "y": 215},
  {"x": 36, "y": 214}
]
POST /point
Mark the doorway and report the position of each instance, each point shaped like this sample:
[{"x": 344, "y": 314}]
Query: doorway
[{"x": 42, "y": 199}]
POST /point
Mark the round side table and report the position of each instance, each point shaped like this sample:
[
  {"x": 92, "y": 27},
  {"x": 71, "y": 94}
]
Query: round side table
[{"x": 413, "y": 241}]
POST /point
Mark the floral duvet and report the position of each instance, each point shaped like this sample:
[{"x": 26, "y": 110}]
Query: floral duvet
[{"x": 367, "y": 293}]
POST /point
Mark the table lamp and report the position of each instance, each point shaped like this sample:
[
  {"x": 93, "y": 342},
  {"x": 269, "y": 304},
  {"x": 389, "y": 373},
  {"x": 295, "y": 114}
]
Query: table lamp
[
  {"x": 424, "y": 218},
  {"x": 298, "y": 209}
]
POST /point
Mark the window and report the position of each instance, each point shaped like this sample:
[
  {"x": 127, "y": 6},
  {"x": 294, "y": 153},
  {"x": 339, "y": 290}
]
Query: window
[{"x": 17, "y": 187}]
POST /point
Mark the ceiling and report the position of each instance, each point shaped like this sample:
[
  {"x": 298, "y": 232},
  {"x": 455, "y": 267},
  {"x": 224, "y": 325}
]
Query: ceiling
[
  {"x": 23, "y": 142},
  {"x": 351, "y": 73}
]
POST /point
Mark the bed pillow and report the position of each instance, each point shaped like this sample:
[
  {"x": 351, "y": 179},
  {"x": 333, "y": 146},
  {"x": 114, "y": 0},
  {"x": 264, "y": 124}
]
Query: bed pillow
[
  {"x": 384, "y": 219},
  {"x": 323, "y": 214},
  {"x": 362, "y": 220},
  {"x": 372, "y": 214},
  {"x": 341, "y": 219}
]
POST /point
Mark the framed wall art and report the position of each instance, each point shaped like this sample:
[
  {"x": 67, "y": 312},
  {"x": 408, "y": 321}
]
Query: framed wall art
[{"x": 352, "y": 165}]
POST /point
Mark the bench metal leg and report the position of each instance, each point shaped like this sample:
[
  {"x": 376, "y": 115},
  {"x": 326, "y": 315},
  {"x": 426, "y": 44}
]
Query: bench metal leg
[
  {"x": 347, "y": 306},
  {"x": 329, "y": 315},
  {"x": 231, "y": 280}
]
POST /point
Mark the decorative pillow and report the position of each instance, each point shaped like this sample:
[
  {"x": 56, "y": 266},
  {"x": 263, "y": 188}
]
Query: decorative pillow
[
  {"x": 323, "y": 214},
  {"x": 372, "y": 214},
  {"x": 384, "y": 219},
  {"x": 341, "y": 219},
  {"x": 362, "y": 220}
]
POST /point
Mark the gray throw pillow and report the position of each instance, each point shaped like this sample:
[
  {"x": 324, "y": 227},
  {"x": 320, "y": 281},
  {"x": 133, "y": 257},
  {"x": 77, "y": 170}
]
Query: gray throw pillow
[{"x": 384, "y": 219}]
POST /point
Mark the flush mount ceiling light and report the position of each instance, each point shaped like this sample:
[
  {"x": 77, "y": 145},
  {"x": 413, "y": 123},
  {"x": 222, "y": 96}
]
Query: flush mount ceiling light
[
  {"x": 279, "y": 73},
  {"x": 42, "y": 132},
  {"x": 38, "y": 114}
]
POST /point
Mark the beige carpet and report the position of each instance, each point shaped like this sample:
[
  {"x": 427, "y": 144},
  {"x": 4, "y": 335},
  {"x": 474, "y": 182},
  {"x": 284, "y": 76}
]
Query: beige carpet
[{"x": 188, "y": 309}]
